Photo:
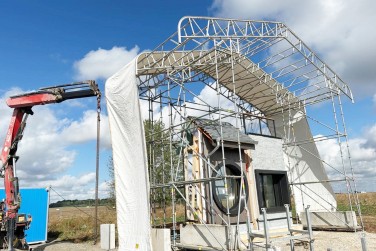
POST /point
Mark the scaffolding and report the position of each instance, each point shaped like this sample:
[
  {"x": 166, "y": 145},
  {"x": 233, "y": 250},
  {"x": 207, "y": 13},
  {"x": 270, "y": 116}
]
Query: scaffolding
[{"x": 260, "y": 77}]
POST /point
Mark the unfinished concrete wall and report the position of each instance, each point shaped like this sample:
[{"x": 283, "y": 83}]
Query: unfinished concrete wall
[
  {"x": 268, "y": 155},
  {"x": 303, "y": 163}
]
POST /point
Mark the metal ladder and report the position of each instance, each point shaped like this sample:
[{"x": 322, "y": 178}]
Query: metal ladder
[{"x": 291, "y": 233}]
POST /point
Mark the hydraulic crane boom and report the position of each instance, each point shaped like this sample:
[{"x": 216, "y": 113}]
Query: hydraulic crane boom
[{"x": 22, "y": 105}]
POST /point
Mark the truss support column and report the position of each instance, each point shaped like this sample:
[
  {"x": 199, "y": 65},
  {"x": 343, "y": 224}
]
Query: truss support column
[
  {"x": 229, "y": 233},
  {"x": 357, "y": 202},
  {"x": 349, "y": 190},
  {"x": 163, "y": 163},
  {"x": 170, "y": 124},
  {"x": 151, "y": 158}
]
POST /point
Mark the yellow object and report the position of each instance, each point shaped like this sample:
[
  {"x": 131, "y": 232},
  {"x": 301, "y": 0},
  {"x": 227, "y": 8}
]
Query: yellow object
[
  {"x": 21, "y": 218},
  {"x": 137, "y": 245}
]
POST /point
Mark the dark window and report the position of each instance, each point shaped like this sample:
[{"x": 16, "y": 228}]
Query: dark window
[
  {"x": 272, "y": 190},
  {"x": 220, "y": 193}
]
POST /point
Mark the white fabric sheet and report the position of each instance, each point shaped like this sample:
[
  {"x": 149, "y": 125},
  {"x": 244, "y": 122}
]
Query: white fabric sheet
[{"x": 130, "y": 160}]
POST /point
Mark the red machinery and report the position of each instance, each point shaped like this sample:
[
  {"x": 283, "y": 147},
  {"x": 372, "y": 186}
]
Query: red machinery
[{"x": 13, "y": 225}]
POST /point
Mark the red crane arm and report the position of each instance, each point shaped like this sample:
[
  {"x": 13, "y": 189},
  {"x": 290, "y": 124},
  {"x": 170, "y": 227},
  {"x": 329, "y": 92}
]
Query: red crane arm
[
  {"x": 8, "y": 158},
  {"x": 22, "y": 105},
  {"x": 32, "y": 99}
]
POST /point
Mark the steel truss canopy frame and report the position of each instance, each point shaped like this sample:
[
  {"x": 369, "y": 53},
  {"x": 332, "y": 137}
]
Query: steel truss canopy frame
[
  {"x": 264, "y": 61},
  {"x": 263, "y": 76}
]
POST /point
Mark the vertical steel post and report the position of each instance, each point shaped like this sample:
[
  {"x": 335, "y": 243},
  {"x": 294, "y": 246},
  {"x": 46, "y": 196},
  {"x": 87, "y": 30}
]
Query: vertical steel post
[
  {"x": 289, "y": 223},
  {"x": 10, "y": 234},
  {"x": 363, "y": 240},
  {"x": 309, "y": 228},
  {"x": 266, "y": 228}
]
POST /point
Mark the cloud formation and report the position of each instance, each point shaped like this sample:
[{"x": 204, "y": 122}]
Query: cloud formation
[
  {"x": 363, "y": 159},
  {"x": 102, "y": 63},
  {"x": 71, "y": 187},
  {"x": 48, "y": 148},
  {"x": 338, "y": 30},
  {"x": 371, "y": 137}
]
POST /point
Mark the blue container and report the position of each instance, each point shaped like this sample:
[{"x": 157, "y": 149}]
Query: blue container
[{"x": 34, "y": 201}]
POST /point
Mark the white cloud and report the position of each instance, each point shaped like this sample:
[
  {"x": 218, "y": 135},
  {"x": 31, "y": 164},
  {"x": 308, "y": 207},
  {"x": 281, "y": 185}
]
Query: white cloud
[
  {"x": 371, "y": 137},
  {"x": 5, "y": 112},
  {"x": 85, "y": 129},
  {"x": 102, "y": 63},
  {"x": 67, "y": 186},
  {"x": 47, "y": 150},
  {"x": 363, "y": 158},
  {"x": 338, "y": 30},
  {"x": 198, "y": 107}
]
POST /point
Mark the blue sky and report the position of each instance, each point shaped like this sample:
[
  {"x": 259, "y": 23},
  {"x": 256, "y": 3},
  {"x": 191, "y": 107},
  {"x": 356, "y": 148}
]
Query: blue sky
[
  {"x": 53, "y": 42},
  {"x": 44, "y": 38}
]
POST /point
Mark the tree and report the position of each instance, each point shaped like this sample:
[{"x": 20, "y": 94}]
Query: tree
[
  {"x": 159, "y": 161},
  {"x": 111, "y": 182},
  {"x": 160, "y": 157}
]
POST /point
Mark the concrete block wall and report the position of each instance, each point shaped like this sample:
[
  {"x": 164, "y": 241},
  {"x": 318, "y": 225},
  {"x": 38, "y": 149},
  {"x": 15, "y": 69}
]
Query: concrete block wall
[{"x": 268, "y": 154}]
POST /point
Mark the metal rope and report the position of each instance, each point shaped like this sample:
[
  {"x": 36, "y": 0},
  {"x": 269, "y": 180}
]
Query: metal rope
[{"x": 97, "y": 166}]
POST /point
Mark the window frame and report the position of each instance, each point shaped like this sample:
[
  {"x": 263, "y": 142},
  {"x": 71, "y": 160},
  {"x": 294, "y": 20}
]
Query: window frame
[
  {"x": 282, "y": 185},
  {"x": 235, "y": 168}
]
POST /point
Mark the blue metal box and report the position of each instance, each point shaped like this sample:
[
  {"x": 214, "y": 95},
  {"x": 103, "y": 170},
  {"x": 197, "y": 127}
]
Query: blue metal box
[{"x": 34, "y": 201}]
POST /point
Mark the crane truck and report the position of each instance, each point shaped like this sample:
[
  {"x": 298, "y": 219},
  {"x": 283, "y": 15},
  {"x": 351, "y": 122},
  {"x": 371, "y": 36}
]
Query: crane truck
[{"x": 12, "y": 223}]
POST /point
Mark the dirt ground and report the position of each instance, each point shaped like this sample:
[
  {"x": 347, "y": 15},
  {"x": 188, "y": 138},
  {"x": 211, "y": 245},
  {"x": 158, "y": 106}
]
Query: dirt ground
[
  {"x": 66, "y": 246},
  {"x": 337, "y": 241}
]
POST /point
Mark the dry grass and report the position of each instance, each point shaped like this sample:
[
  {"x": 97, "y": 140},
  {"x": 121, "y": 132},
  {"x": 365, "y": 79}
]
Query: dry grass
[
  {"x": 367, "y": 205},
  {"x": 77, "y": 225},
  {"x": 158, "y": 215}
]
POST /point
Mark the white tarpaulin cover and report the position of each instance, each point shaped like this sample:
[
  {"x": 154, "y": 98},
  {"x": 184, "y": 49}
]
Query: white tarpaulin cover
[{"x": 130, "y": 160}]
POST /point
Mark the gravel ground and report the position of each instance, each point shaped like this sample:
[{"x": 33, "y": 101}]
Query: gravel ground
[
  {"x": 337, "y": 241},
  {"x": 66, "y": 246}
]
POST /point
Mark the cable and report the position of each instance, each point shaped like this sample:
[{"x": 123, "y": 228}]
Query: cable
[
  {"x": 97, "y": 166},
  {"x": 73, "y": 205}
]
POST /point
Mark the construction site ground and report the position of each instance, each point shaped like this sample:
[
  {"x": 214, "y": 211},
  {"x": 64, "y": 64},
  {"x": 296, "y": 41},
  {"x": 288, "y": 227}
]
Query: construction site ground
[
  {"x": 337, "y": 241},
  {"x": 74, "y": 226}
]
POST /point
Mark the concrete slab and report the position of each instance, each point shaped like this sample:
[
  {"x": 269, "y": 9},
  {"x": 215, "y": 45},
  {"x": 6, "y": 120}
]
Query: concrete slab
[
  {"x": 328, "y": 220},
  {"x": 107, "y": 236},
  {"x": 161, "y": 239}
]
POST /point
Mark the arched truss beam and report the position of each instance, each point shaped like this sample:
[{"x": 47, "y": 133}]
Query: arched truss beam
[
  {"x": 267, "y": 51},
  {"x": 193, "y": 28}
]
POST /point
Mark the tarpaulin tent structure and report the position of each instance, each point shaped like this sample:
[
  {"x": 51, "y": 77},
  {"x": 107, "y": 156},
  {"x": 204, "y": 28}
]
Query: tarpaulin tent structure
[{"x": 259, "y": 73}]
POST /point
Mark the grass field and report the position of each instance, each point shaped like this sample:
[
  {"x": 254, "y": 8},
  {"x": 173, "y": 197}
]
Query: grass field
[
  {"x": 77, "y": 224},
  {"x": 368, "y": 208}
]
